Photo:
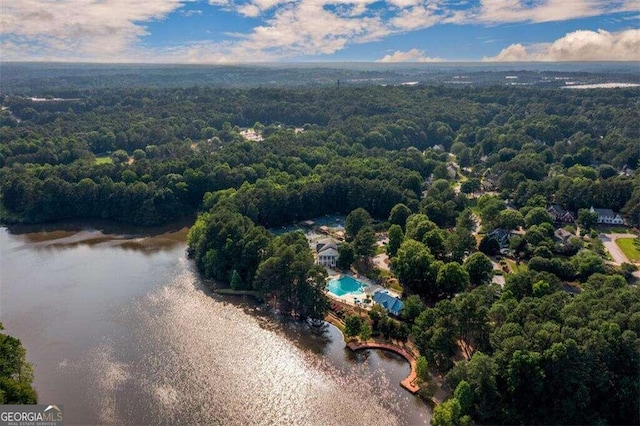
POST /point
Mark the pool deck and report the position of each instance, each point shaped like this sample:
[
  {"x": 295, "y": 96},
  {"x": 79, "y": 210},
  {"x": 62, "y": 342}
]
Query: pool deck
[
  {"x": 370, "y": 289},
  {"x": 409, "y": 383}
]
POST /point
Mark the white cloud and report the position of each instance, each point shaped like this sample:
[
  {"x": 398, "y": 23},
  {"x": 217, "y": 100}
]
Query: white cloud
[
  {"x": 404, "y": 3},
  {"x": 502, "y": 11},
  {"x": 250, "y": 10},
  {"x": 413, "y": 55},
  {"x": 308, "y": 28},
  {"x": 414, "y": 18},
  {"x": 577, "y": 46},
  {"x": 65, "y": 28},
  {"x": 191, "y": 12},
  {"x": 112, "y": 30},
  {"x": 513, "y": 53}
]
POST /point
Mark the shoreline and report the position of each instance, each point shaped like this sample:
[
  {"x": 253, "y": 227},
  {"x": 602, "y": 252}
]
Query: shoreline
[{"x": 407, "y": 383}]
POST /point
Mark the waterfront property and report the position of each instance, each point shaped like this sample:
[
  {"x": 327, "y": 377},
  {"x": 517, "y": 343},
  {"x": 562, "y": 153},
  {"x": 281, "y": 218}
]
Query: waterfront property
[
  {"x": 346, "y": 285},
  {"x": 391, "y": 303}
]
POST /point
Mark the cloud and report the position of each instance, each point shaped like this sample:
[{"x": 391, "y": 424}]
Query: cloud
[
  {"x": 413, "y": 55},
  {"x": 513, "y": 53},
  {"x": 501, "y": 11},
  {"x": 415, "y": 18},
  {"x": 64, "y": 28},
  {"x": 191, "y": 12},
  {"x": 580, "y": 45},
  {"x": 250, "y": 10},
  {"x": 113, "y": 30},
  {"x": 309, "y": 28}
]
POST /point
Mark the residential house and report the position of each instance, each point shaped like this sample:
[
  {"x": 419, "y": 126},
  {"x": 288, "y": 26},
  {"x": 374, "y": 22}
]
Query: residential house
[
  {"x": 326, "y": 242},
  {"x": 562, "y": 235},
  {"x": 501, "y": 236},
  {"x": 490, "y": 183},
  {"x": 327, "y": 252},
  {"x": 392, "y": 304},
  {"x": 561, "y": 215},
  {"x": 510, "y": 206},
  {"x": 328, "y": 257},
  {"x": 608, "y": 216},
  {"x": 627, "y": 171}
]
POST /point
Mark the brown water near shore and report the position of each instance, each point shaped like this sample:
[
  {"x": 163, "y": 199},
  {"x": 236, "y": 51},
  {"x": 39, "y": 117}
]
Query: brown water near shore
[{"x": 122, "y": 330}]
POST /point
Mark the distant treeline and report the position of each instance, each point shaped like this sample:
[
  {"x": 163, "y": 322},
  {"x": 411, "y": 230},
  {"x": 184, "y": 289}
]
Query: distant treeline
[
  {"x": 65, "y": 80},
  {"x": 149, "y": 155}
]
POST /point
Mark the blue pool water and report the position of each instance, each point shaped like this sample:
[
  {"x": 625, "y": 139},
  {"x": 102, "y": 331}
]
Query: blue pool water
[{"x": 345, "y": 285}]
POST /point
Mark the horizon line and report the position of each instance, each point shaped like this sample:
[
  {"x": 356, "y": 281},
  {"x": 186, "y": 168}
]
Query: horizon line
[{"x": 426, "y": 63}]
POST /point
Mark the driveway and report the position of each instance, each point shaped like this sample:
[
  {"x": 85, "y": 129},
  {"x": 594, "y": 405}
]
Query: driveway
[{"x": 609, "y": 241}]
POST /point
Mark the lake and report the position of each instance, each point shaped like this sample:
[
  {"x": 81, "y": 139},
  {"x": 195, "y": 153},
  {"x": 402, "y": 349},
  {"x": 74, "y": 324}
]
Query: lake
[{"x": 122, "y": 330}]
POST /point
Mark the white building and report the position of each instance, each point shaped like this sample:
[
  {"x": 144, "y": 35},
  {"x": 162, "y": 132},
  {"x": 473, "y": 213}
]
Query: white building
[
  {"x": 327, "y": 252},
  {"x": 328, "y": 256},
  {"x": 608, "y": 216}
]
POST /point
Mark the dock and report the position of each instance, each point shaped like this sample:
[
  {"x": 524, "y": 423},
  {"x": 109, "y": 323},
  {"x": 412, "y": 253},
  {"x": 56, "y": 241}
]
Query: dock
[{"x": 409, "y": 383}]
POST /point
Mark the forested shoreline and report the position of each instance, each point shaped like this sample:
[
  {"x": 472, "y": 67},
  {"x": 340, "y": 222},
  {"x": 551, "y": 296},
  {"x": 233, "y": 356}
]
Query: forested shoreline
[{"x": 16, "y": 374}]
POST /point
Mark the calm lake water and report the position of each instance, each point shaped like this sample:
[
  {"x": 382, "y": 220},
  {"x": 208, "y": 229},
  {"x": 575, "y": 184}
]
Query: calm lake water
[{"x": 122, "y": 330}]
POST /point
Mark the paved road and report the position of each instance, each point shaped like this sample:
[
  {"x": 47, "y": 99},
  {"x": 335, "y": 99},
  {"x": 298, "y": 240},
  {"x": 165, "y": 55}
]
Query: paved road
[{"x": 609, "y": 241}]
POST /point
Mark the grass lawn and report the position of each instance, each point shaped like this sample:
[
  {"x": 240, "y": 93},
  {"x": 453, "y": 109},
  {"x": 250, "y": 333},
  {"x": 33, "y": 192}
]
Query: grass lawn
[
  {"x": 104, "y": 160},
  {"x": 606, "y": 229},
  {"x": 383, "y": 274},
  {"x": 631, "y": 250},
  {"x": 516, "y": 268}
]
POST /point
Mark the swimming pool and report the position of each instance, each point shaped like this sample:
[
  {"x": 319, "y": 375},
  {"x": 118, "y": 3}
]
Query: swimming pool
[{"x": 345, "y": 285}]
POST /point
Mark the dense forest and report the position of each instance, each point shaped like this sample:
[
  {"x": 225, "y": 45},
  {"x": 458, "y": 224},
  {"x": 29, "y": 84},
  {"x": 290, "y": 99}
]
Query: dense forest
[
  {"x": 148, "y": 156},
  {"x": 440, "y": 171}
]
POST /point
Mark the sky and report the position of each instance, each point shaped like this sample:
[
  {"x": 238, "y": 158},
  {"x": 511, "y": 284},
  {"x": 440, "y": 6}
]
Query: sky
[{"x": 250, "y": 31}]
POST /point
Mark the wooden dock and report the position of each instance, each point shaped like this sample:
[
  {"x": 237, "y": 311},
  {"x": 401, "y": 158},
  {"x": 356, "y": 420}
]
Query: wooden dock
[{"x": 409, "y": 383}]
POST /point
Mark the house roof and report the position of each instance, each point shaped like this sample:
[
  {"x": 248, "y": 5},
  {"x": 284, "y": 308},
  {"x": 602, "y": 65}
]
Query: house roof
[
  {"x": 328, "y": 251},
  {"x": 390, "y": 303},
  {"x": 557, "y": 208},
  {"x": 499, "y": 232},
  {"x": 562, "y": 233},
  {"x": 501, "y": 235},
  {"x": 324, "y": 247},
  {"x": 326, "y": 243},
  {"x": 603, "y": 212}
]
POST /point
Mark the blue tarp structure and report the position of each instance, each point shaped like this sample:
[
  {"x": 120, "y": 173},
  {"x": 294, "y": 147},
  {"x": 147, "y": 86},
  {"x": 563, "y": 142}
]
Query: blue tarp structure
[{"x": 390, "y": 303}]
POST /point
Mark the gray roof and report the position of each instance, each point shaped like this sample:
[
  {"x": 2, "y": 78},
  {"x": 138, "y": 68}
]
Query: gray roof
[
  {"x": 328, "y": 251},
  {"x": 604, "y": 212},
  {"x": 501, "y": 235},
  {"x": 326, "y": 243},
  {"x": 558, "y": 209},
  {"x": 562, "y": 233}
]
